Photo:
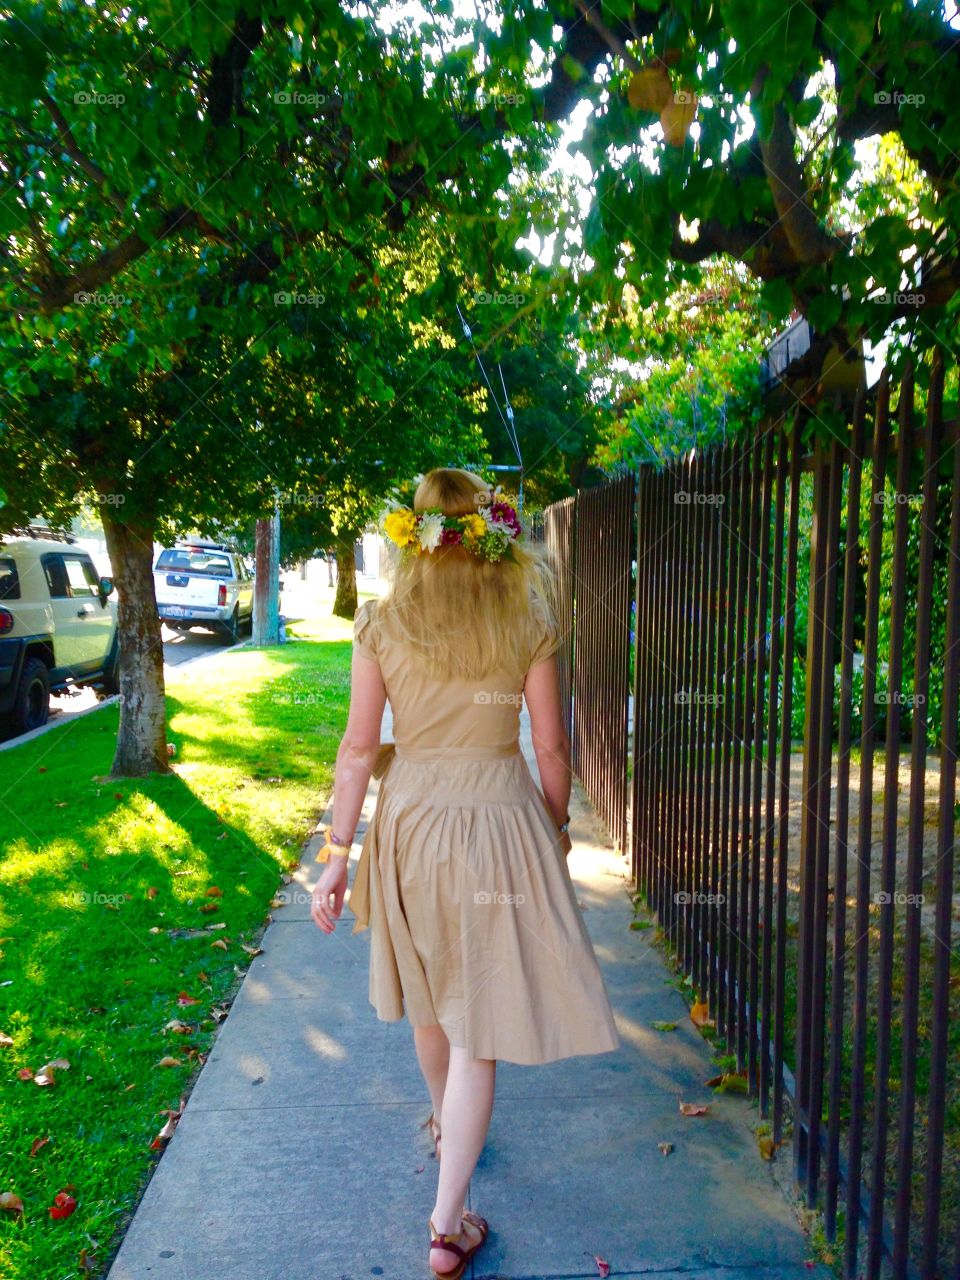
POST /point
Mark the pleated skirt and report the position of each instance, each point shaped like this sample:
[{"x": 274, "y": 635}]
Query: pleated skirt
[{"x": 474, "y": 919}]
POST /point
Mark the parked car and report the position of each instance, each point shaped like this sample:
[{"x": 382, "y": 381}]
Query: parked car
[
  {"x": 58, "y": 626},
  {"x": 207, "y": 584}
]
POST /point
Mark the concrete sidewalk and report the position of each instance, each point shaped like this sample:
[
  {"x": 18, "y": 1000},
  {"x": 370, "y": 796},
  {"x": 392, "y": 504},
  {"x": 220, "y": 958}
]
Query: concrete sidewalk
[{"x": 299, "y": 1155}]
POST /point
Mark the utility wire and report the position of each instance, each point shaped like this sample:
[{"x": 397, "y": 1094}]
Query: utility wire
[{"x": 506, "y": 419}]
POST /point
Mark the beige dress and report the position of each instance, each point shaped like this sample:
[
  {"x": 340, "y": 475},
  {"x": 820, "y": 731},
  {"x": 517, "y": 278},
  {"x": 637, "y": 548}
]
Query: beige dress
[{"x": 473, "y": 915}]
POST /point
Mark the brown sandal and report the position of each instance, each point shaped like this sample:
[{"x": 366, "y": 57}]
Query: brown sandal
[
  {"x": 435, "y": 1130},
  {"x": 439, "y": 1241}
]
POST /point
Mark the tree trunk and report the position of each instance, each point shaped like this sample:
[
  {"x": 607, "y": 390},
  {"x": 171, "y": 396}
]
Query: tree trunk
[
  {"x": 345, "y": 603},
  {"x": 266, "y": 598},
  {"x": 142, "y": 739}
]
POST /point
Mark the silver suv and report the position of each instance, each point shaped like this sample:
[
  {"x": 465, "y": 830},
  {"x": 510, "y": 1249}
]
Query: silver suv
[{"x": 58, "y": 626}]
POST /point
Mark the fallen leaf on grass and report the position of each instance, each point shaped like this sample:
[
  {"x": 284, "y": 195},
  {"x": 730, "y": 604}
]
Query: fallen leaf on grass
[
  {"x": 10, "y": 1203},
  {"x": 664, "y": 1026},
  {"x": 5, "y": 1039},
  {"x": 169, "y": 1062},
  {"x": 254, "y": 951},
  {"x": 729, "y": 1082},
  {"x": 218, "y": 1013},
  {"x": 694, "y": 1108},
  {"x": 48, "y": 1072},
  {"x": 179, "y": 1028},
  {"x": 665, "y": 1148},
  {"x": 214, "y": 892},
  {"x": 37, "y": 1144},
  {"x": 169, "y": 1129},
  {"x": 87, "y": 1262},
  {"x": 210, "y": 906},
  {"x": 25, "y": 1074},
  {"x": 700, "y": 1014},
  {"x": 63, "y": 1205},
  {"x": 152, "y": 892},
  {"x": 219, "y": 943},
  {"x": 184, "y": 998}
]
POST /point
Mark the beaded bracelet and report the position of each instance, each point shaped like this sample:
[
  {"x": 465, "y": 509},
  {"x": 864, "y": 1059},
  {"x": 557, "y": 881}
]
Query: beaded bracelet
[{"x": 330, "y": 846}]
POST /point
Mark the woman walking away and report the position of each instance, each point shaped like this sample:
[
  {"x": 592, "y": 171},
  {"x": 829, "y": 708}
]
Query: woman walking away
[{"x": 476, "y": 933}]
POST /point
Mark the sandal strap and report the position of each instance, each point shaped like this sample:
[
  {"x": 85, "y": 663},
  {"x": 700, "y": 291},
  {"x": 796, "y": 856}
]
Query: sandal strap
[
  {"x": 454, "y": 1248},
  {"x": 480, "y": 1223},
  {"x": 438, "y": 1239}
]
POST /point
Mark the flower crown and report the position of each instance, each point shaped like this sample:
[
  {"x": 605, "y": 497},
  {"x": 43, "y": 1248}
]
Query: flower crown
[{"x": 489, "y": 532}]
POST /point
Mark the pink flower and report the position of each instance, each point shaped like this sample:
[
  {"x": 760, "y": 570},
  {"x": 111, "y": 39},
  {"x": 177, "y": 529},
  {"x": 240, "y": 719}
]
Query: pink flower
[{"x": 505, "y": 514}]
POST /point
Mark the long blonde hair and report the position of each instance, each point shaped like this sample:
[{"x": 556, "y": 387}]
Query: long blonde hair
[{"x": 461, "y": 614}]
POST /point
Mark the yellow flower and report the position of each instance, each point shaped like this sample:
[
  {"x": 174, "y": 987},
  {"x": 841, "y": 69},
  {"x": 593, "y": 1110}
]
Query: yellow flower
[
  {"x": 474, "y": 527},
  {"x": 400, "y": 526}
]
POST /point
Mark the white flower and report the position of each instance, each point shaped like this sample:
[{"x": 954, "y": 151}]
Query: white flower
[{"x": 430, "y": 531}]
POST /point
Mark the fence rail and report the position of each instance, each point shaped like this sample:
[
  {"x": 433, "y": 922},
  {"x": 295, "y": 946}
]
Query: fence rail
[{"x": 787, "y": 798}]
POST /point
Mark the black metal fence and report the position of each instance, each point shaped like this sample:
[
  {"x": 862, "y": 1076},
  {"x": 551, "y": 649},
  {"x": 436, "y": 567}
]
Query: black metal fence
[{"x": 792, "y": 801}]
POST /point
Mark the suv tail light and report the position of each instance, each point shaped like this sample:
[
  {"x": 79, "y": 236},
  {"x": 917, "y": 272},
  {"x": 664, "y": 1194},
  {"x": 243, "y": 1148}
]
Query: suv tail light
[
  {"x": 6, "y": 621},
  {"x": 222, "y": 593}
]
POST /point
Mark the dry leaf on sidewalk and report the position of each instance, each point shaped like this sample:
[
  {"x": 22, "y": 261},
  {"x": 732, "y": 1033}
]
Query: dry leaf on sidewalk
[{"x": 694, "y": 1108}]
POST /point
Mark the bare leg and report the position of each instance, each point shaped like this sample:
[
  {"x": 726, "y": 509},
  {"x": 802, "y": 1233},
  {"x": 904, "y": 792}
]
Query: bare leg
[
  {"x": 433, "y": 1054},
  {"x": 465, "y": 1118}
]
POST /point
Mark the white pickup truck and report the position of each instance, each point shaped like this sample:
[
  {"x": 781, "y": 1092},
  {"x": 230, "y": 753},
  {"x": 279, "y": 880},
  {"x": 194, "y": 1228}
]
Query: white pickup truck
[{"x": 205, "y": 584}]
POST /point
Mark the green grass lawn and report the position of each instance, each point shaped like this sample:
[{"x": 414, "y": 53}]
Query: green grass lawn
[{"x": 110, "y": 897}]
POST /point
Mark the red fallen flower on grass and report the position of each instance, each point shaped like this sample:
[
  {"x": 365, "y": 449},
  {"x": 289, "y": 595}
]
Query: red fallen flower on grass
[{"x": 63, "y": 1205}]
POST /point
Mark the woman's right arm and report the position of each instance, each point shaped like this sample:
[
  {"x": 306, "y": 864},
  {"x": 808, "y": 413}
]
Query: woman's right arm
[{"x": 551, "y": 743}]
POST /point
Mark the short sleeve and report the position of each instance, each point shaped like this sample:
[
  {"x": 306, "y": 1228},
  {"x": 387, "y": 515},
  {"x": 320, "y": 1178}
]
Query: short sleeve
[
  {"x": 365, "y": 631},
  {"x": 549, "y": 642}
]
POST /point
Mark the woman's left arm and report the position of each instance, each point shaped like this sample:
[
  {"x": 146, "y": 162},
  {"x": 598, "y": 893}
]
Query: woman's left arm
[{"x": 355, "y": 759}]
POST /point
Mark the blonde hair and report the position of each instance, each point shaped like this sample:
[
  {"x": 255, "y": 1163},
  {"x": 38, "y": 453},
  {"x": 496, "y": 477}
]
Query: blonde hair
[{"x": 463, "y": 615}]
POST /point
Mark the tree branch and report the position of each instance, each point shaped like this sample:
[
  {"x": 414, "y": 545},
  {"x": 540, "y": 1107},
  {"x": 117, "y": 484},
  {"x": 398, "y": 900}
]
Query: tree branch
[{"x": 75, "y": 153}]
